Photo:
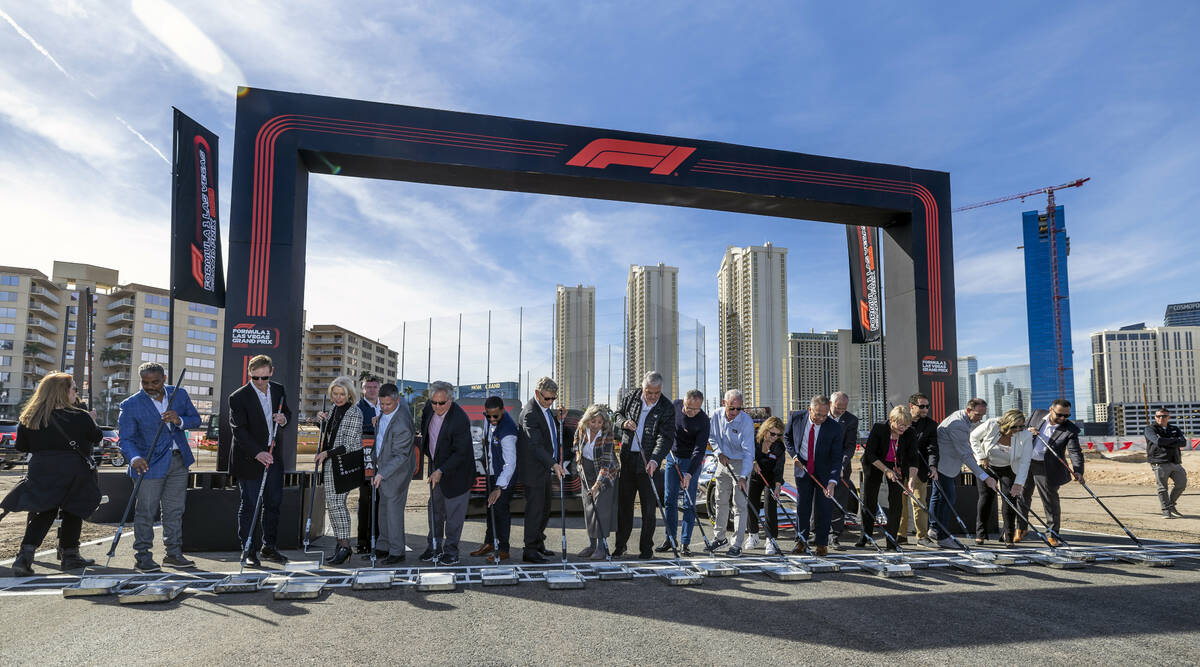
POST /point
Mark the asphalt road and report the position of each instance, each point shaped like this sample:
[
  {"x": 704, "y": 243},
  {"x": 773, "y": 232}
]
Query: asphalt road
[{"x": 1105, "y": 614}]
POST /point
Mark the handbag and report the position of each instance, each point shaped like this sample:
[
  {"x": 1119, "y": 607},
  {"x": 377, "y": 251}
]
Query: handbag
[{"x": 347, "y": 471}]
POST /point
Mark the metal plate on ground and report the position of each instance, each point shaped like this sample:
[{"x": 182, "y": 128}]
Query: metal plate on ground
[
  {"x": 152, "y": 593},
  {"x": 975, "y": 566},
  {"x": 239, "y": 583},
  {"x": 436, "y": 581},
  {"x": 787, "y": 573},
  {"x": 499, "y": 576},
  {"x": 612, "y": 571},
  {"x": 886, "y": 569},
  {"x": 817, "y": 565},
  {"x": 306, "y": 588},
  {"x": 92, "y": 586},
  {"x": 676, "y": 576},
  {"x": 1076, "y": 554},
  {"x": 562, "y": 579},
  {"x": 372, "y": 580},
  {"x": 302, "y": 566},
  {"x": 1144, "y": 558},
  {"x": 714, "y": 568},
  {"x": 1048, "y": 558}
]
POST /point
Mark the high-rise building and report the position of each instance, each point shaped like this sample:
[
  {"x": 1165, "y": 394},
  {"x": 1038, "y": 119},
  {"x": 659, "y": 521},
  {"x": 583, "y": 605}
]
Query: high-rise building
[
  {"x": 1051, "y": 371},
  {"x": 1182, "y": 315},
  {"x": 1159, "y": 365},
  {"x": 575, "y": 345},
  {"x": 1006, "y": 388},
  {"x": 1131, "y": 419},
  {"x": 652, "y": 325},
  {"x": 822, "y": 363},
  {"x": 752, "y": 332},
  {"x": 329, "y": 351},
  {"x": 967, "y": 367},
  {"x": 32, "y": 333}
]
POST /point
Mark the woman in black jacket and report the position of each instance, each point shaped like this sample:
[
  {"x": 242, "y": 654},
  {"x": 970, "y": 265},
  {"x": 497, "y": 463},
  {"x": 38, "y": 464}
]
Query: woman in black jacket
[
  {"x": 769, "y": 460},
  {"x": 890, "y": 448},
  {"x": 59, "y": 438}
]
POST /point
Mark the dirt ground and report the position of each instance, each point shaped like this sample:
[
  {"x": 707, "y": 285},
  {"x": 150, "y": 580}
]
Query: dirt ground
[{"x": 1126, "y": 486}]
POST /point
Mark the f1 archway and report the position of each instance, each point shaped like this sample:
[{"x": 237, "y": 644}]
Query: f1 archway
[{"x": 282, "y": 137}]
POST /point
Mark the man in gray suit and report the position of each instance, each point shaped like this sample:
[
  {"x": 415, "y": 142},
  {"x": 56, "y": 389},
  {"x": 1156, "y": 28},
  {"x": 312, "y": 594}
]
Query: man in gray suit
[
  {"x": 393, "y": 471},
  {"x": 954, "y": 451}
]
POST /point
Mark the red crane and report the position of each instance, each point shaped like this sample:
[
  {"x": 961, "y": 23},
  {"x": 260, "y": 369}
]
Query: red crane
[{"x": 1056, "y": 296}]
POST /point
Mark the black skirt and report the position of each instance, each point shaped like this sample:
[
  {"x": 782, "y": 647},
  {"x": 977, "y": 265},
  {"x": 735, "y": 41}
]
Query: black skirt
[{"x": 56, "y": 480}]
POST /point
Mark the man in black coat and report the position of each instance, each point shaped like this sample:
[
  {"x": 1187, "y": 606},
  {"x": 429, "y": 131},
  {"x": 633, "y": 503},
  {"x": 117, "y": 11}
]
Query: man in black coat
[
  {"x": 253, "y": 407},
  {"x": 838, "y": 403},
  {"x": 1054, "y": 431},
  {"x": 925, "y": 444},
  {"x": 447, "y": 435},
  {"x": 370, "y": 408},
  {"x": 539, "y": 454},
  {"x": 646, "y": 422},
  {"x": 1164, "y": 441}
]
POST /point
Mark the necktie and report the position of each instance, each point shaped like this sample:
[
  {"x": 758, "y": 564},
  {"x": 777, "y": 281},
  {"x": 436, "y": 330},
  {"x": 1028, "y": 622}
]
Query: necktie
[
  {"x": 553, "y": 432},
  {"x": 812, "y": 446}
]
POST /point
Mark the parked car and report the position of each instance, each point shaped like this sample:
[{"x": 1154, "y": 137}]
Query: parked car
[
  {"x": 706, "y": 498},
  {"x": 109, "y": 449},
  {"x": 9, "y": 456}
]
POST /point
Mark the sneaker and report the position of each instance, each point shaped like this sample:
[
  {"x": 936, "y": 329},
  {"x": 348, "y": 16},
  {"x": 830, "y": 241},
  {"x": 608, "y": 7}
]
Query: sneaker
[
  {"x": 861, "y": 543},
  {"x": 751, "y": 541},
  {"x": 427, "y": 555},
  {"x": 448, "y": 560},
  {"x": 771, "y": 550},
  {"x": 685, "y": 550},
  {"x": 1176, "y": 512},
  {"x": 717, "y": 544},
  {"x": 146, "y": 564},
  {"x": 835, "y": 543},
  {"x": 733, "y": 552},
  {"x": 585, "y": 552},
  {"x": 665, "y": 547},
  {"x": 927, "y": 543},
  {"x": 1167, "y": 514},
  {"x": 272, "y": 554},
  {"x": 178, "y": 560},
  {"x": 946, "y": 543}
]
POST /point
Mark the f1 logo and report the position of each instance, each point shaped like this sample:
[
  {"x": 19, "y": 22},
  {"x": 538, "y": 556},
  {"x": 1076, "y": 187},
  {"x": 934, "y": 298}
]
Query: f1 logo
[{"x": 658, "y": 158}]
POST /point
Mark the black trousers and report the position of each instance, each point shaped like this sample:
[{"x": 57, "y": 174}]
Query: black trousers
[
  {"x": 873, "y": 478},
  {"x": 1048, "y": 492},
  {"x": 267, "y": 529},
  {"x": 985, "y": 509},
  {"x": 500, "y": 516},
  {"x": 38, "y": 524},
  {"x": 367, "y": 528},
  {"x": 635, "y": 482},
  {"x": 537, "y": 512},
  {"x": 755, "y": 493}
]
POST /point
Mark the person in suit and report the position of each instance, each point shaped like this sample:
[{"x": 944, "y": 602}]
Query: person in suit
[
  {"x": 343, "y": 434},
  {"x": 253, "y": 407},
  {"x": 539, "y": 454},
  {"x": 369, "y": 406},
  {"x": 838, "y": 402},
  {"x": 889, "y": 455},
  {"x": 954, "y": 451},
  {"x": 815, "y": 445},
  {"x": 394, "y": 465},
  {"x": 447, "y": 432},
  {"x": 925, "y": 442},
  {"x": 1053, "y": 429},
  {"x": 647, "y": 421},
  {"x": 163, "y": 463},
  {"x": 501, "y": 437}
]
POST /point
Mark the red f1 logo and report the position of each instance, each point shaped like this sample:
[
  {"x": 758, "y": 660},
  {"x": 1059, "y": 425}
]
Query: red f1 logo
[{"x": 659, "y": 158}]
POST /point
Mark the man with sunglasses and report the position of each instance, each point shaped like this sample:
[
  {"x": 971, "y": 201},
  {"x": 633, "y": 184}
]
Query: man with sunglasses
[
  {"x": 954, "y": 451},
  {"x": 926, "y": 445},
  {"x": 1164, "y": 441},
  {"x": 539, "y": 454},
  {"x": 501, "y": 440},
  {"x": 1053, "y": 430},
  {"x": 731, "y": 437}
]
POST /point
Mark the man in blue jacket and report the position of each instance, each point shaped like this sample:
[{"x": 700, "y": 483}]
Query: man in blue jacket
[
  {"x": 163, "y": 463},
  {"x": 815, "y": 444}
]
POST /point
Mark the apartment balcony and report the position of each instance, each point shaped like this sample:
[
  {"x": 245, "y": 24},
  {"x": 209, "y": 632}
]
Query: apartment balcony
[
  {"x": 120, "y": 376},
  {"x": 115, "y": 363},
  {"x": 45, "y": 358},
  {"x": 32, "y": 369},
  {"x": 124, "y": 347},
  {"x": 123, "y": 332},
  {"x": 43, "y": 293},
  {"x": 39, "y": 323},
  {"x": 29, "y": 386},
  {"x": 122, "y": 304},
  {"x": 40, "y": 339},
  {"x": 43, "y": 309},
  {"x": 120, "y": 317}
]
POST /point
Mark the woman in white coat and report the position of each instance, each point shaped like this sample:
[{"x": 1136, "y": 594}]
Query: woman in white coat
[{"x": 1004, "y": 447}]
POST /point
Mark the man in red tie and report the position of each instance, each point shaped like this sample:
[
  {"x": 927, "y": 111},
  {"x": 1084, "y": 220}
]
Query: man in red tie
[{"x": 815, "y": 445}]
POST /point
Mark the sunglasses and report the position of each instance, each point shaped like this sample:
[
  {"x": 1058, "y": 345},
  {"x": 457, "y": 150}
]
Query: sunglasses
[
  {"x": 922, "y": 406},
  {"x": 260, "y": 378},
  {"x": 439, "y": 402},
  {"x": 492, "y": 417},
  {"x": 1063, "y": 415},
  {"x": 735, "y": 409},
  {"x": 774, "y": 433},
  {"x": 548, "y": 399}
]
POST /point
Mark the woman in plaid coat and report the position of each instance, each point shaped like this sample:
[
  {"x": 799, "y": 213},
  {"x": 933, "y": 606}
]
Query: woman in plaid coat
[
  {"x": 597, "y": 460},
  {"x": 342, "y": 434}
]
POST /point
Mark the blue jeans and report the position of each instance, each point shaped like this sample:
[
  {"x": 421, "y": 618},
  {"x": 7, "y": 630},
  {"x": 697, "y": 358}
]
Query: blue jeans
[
  {"x": 672, "y": 470},
  {"x": 941, "y": 499}
]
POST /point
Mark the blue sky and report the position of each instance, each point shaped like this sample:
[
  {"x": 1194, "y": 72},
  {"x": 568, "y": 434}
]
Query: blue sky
[{"x": 1006, "y": 99}]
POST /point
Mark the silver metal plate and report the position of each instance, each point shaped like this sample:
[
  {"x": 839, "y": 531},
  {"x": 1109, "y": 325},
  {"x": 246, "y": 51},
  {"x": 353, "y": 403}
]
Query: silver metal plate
[
  {"x": 238, "y": 583},
  {"x": 436, "y": 581},
  {"x": 817, "y": 565},
  {"x": 302, "y": 566},
  {"x": 886, "y": 569},
  {"x": 787, "y": 573},
  {"x": 92, "y": 586},
  {"x": 1075, "y": 554},
  {"x": 975, "y": 566},
  {"x": 499, "y": 576},
  {"x": 300, "y": 589},
  {"x": 680, "y": 577},
  {"x": 612, "y": 572},
  {"x": 713, "y": 568},
  {"x": 371, "y": 580},
  {"x": 151, "y": 593},
  {"x": 1145, "y": 559},
  {"x": 1052, "y": 560},
  {"x": 562, "y": 579}
]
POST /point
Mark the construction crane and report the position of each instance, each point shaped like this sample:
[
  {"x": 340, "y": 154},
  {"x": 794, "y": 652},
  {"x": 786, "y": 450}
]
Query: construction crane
[{"x": 1056, "y": 295}]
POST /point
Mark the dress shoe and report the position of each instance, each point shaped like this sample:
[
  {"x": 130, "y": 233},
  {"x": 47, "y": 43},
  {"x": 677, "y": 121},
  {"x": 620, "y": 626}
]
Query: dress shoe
[
  {"x": 862, "y": 542},
  {"x": 23, "y": 565},
  {"x": 620, "y": 551},
  {"x": 1007, "y": 539},
  {"x": 483, "y": 550},
  {"x": 341, "y": 555},
  {"x": 927, "y": 543},
  {"x": 835, "y": 543},
  {"x": 585, "y": 552},
  {"x": 822, "y": 551},
  {"x": 646, "y": 555},
  {"x": 427, "y": 555},
  {"x": 947, "y": 543},
  {"x": 69, "y": 559},
  {"x": 534, "y": 557},
  {"x": 253, "y": 561},
  {"x": 546, "y": 552},
  {"x": 979, "y": 540},
  {"x": 902, "y": 540},
  {"x": 145, "y": 563},
  {"x": 1020, "y": 534},
  {"x": 178, "y": 560},
  {"x": 664, "y": 547},
  {"x": 685, "y": 550},
  {"x": 500, "y": 555},
  {"x": 798, "y": 549},
  {"x": 362, "y": 549},
  {"x": 393, "y": 560},
  {"x": 1054, "y": 541},
  {"x": 272, "y": 554},
  {"x": 599, "y": 554},
  {"x": 378, "y": 555}
]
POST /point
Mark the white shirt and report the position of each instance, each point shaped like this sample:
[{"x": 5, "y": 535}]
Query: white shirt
[
  {"x": 381, "y": 428},
  {"x": 802, "y": 450},
  {"x": 1043, "y": 439},
  {"x": 508, "y": 446},
  {"x": 641, "y": 429},
  {"x": 162, "y": 408},
  {"x": 589, "y": 447},
  {"x": 265, "y": 401}
]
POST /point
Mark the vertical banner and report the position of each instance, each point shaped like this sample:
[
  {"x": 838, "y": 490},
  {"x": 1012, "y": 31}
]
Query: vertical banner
[
  {"x": 197, "y": 272},
  {"x": 866, "y": 317}
]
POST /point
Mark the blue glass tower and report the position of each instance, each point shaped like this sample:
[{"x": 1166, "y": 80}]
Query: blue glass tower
[{"x": 1047, "y": 380}]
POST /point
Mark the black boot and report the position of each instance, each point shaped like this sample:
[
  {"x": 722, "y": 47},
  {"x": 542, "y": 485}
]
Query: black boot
[
  {"x": 341, "y": 555},
  {"x": 71, "y": 560},
  {"x": 23, "y": 565}
]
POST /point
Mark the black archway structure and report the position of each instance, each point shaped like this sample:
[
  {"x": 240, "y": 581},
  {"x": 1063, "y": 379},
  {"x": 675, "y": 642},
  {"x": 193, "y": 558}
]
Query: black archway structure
[{"x": 282, "y": 137}]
